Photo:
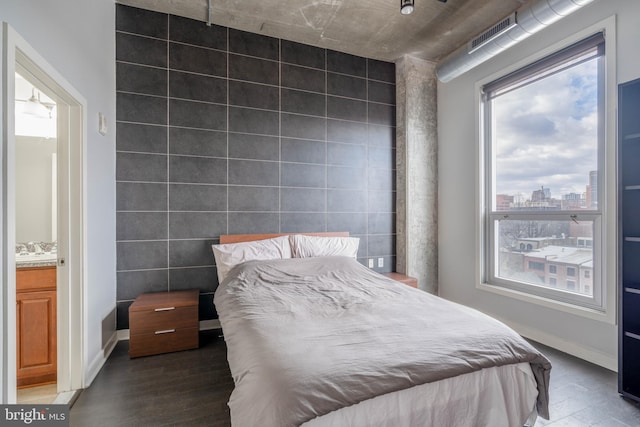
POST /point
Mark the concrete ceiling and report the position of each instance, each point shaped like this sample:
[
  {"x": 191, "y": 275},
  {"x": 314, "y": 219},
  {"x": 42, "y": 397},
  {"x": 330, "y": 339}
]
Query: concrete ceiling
[{"x": 370, "y": 28}]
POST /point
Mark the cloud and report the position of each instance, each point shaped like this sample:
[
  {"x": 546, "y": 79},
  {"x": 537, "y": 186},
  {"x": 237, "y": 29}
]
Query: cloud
[
  {"x": 546, "y": 133},
  {"x": 532, "y": 125}
]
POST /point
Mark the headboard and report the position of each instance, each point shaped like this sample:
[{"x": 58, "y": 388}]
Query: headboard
[{"x": 237, "y": 238}]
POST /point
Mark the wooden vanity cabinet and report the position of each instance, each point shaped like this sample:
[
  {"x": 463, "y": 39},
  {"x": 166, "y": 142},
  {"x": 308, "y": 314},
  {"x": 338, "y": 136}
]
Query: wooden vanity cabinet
[{"x": 36, "y": 335}]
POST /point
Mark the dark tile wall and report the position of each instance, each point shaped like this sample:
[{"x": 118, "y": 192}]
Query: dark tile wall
[{"x": 221, "y": 131}]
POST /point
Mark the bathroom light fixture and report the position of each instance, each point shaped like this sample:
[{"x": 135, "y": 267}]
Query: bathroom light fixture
[
  {"x": 406, "y": 6},
  {"x": 35, "y": 107}
]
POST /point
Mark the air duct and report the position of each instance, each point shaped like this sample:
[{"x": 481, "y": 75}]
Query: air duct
[{"x": 530, "y": 19}]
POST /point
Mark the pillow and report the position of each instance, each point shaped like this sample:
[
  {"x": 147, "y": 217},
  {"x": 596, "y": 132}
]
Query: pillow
[
  {"x": 229, "y": 255},
  {"x": 315, "y": 246}
]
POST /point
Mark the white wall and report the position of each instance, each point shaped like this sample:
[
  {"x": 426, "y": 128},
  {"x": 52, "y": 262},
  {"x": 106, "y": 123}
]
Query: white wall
[
  {"x": 458, "y": 187},
  {"x": 77, "y": 37}
]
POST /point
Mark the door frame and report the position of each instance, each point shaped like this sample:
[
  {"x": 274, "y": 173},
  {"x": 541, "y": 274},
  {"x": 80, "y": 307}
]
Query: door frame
[{"x": 71, "y": 291}]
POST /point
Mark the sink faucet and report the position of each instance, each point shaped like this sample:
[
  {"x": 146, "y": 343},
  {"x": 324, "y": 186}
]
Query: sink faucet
[{"x": 34, "y": 248}]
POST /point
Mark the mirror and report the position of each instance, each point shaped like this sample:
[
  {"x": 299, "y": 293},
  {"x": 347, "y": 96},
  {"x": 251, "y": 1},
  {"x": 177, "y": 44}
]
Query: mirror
[{"x": 35, "y": 155}]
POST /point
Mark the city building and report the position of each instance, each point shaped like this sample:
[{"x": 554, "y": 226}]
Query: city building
[{"x": 562, "y": 267}]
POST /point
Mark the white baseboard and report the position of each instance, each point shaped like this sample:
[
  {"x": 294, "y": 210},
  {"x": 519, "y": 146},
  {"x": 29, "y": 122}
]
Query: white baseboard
[
  {"x": 98, "y": 361},
  {"x": 123, "y": 334},
  {"x": 585, "y": 353},
  {"x": 110, "y": 345},
  {"x": 67, "y": 398},
  {"x": 205, "y": 325},
  {"x": 93, "y": 368}
]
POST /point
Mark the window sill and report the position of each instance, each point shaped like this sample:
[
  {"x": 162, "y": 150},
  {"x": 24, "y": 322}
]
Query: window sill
[{"x": 607, "y": 316}]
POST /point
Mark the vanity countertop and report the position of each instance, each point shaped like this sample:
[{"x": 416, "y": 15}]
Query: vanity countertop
[{"x": 32, "y": 260}]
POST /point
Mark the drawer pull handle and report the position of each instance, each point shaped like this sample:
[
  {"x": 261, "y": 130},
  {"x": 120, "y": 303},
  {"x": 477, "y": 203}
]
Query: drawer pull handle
[
  {"x": 165, "y": 309},
  {"x": 166, "y": 331}
]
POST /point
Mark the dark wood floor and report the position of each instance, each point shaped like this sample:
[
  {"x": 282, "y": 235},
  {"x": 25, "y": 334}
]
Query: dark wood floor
[
  {"x": 191, "y": 388},
  {"x": 187, "y": 388}
]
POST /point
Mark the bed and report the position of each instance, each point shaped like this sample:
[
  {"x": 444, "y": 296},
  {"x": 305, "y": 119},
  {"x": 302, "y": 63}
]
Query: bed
[{"x": 316, "y": 339}]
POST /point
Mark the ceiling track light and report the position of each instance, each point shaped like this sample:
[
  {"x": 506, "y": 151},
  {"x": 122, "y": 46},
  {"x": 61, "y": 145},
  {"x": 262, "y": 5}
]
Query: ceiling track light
[{"x": 407, "y": 6}]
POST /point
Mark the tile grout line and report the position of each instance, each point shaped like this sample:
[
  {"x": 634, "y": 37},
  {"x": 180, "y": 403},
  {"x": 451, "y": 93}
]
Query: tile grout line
[
  {"x": 279, "y": 136},
  {"x": 168, "y": 157},
  {"x": 168, "y": 39},
  {"x": 326, "y": 139},
  {"x": 226, "y": 53}
]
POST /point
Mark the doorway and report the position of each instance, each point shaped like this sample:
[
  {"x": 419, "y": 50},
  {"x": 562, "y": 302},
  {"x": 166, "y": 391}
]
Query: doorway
[
  {"x": 60, "y": 244},
  {"x": 36, "y": 212}
]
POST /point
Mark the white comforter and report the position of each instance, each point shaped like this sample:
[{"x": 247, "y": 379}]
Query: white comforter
[{"x": 309, "y": 336}]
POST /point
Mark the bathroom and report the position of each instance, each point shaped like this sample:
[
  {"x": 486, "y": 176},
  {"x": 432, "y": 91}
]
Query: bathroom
[{"x": 36, "y": 239}]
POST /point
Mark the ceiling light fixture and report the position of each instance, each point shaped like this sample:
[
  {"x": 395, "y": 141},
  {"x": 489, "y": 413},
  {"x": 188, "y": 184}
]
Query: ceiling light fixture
[
  {"x": 35, "y": 107},
  {"x": 406, "y": 6}
]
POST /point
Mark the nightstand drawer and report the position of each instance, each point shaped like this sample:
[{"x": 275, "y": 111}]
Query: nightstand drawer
[
  {"x": 163, "y": 318},
  {"x": 163, "y": 341},
  {"x": 162, "y": 322}
]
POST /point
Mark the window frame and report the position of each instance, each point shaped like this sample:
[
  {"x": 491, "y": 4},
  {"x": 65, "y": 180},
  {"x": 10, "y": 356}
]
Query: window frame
[{"x": 492, "y": 216}]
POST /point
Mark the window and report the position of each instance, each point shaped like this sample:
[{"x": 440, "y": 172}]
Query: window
[
  {"x": 552, "y": 282},
  {"x": 587, "y": 274},
  {"x": 536, "y": 265},
  {"x": 544, "y": 139},
  {"x": 585, "y": 242}
]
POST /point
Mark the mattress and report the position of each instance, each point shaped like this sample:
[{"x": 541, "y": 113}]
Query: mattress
[{"x": 326, "y": 340}]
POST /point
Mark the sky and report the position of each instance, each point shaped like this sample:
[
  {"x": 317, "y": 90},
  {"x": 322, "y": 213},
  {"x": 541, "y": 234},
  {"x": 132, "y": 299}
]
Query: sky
[{"x": 546, "y": 134}]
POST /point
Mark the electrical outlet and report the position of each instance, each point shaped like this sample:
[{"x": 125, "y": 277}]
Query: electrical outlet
[
  {"x": 370, "y": 262},
  {"x": 380, "y": 262}
]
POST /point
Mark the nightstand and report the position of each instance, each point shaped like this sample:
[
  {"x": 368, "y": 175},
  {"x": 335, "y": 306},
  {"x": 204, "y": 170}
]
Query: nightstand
[
  {"x": 399, "y": 277},
  {"x": 162, "y": 322}
]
